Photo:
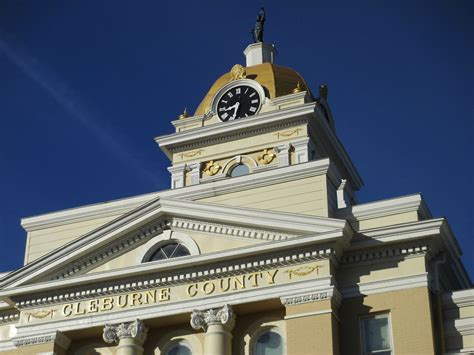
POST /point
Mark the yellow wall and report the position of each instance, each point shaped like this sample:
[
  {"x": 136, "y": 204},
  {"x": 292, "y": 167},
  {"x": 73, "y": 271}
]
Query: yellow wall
[
  {"x": 42, "y": 241},
  {"x": 305, "y": 196},
  {"x": 410, "y": 313}
]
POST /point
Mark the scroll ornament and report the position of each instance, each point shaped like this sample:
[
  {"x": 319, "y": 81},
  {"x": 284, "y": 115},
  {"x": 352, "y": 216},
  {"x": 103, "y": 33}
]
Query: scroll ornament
[
  {"x": 211, "y": 168},
  {"x": 266, "y": 157},
  {"x": 134, "y": 330},
  {"x": 217, "y": 316}
]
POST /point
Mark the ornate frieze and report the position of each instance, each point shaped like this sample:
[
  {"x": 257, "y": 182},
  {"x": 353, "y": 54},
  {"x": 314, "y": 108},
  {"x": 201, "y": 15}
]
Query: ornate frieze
[
  {"x": 312, "y": 297},
  {"x": 384, "y": 253},
  {"x": 57, "y": 337},
  {"x": 135, "y": 330},
  {"x": 214, "y": 316}
]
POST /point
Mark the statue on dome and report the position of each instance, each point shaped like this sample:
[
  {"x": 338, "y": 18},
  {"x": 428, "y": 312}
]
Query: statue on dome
[{"x": 257, "y": 32}]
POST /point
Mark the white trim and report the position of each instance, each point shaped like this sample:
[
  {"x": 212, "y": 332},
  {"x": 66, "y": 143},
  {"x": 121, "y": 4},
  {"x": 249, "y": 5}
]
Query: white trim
[
  {"x": 379, "y": 286},
  {"x": 308, "y": 314},
  {"x": 386, "y": 207}
]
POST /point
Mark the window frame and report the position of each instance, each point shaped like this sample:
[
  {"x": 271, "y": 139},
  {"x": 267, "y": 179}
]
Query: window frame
[
  {"x": 377, "y": 315},
  {"x": 176, "y": 342}
]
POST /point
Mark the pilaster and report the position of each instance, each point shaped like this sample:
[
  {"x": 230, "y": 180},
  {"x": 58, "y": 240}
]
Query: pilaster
[
  {"x": 177, "y": 175},
  {"x": 311, "y": 322},
  {"x": 194, "y": 170},
  {"x": 283, "y": 154}
]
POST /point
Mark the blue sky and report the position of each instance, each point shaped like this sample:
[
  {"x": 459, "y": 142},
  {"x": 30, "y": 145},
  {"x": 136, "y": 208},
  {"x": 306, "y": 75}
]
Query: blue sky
[{"x": 86, "y": 85}]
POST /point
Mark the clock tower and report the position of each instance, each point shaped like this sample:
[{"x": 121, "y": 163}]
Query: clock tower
[{"x": 263, "y": 118}]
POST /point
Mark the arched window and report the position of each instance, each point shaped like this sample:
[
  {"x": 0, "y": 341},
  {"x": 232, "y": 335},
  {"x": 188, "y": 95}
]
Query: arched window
[
  {"x": 268, "y": 343},
  {"x": 168, "y": 251},
  {"x": 239, "y": 170},
  {"x": 179, "y": 349}
]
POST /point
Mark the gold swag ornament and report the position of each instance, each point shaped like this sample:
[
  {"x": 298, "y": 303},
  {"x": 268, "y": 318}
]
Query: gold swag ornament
[
  {"x": 266, "y": 157},
  {"x": 237, "y": 72}
]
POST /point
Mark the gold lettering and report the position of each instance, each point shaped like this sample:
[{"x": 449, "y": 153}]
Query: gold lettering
[
  {"x": 67, "y": 310},
  {"x": 107, "y": 304},
  {"x": 93, "y": 306},
  {"x": 164, "y": 294},
  {"x": 271, "y": 275},
  {"x": 208, "y": 290},
  {"x": 120, "y": 303},
  {"x": 150, "y": 295},
  {"x": 136, "y": 298},
  {"x": 192, "y": 290},
  {"x": 226, "y": 288},
  {"x": 255, "y": 277},
  {"x": 238, "y": 282},
  {"x": 77, "y": 309}
]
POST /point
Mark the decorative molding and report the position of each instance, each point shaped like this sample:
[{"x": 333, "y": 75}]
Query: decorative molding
[
  {"x": 135, "y": 330},
  {"x": 41, "y": 314},
  {"x": 456, "y": 327},
  {"x": 224, "y": 268},
  {"x": 459, "y": 299},
  {"x": 213, "y": 134},
  {"x": 58, "y": 338},
  {"x": 113, "y": 249},
  {"x": 217, "y": 316},
  {"x": 9, "y": 316},
  {"x": 303, "y": 271},
  {"x": 288, "y": 133},
  {"x": 191, "y": 154},
  {"x": 312, "y": 297},
  {"x": 228, "y": 229},
  {"x": 384, "y": 253}
]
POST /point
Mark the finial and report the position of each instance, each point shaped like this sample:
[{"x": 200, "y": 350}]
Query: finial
[
  {"x": 323, "y": 91},
  {"x": 297, "y": 88},
  {"x": 257, "y": 31},
  {"x": 184, "y": 115},
  {"x": 237, "y": 72}
]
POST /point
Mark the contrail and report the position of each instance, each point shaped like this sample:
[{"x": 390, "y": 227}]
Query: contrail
[{"x": 70, "y": 101}]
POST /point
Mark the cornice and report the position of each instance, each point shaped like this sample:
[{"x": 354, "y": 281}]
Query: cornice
[
  {"x": 228, "y": 130},
  {"x": 262, "y": 255},
  {"x": 386, "y": 207},
  {"x": 73, "y": 290},
  {"x": 459, "y": 299}
]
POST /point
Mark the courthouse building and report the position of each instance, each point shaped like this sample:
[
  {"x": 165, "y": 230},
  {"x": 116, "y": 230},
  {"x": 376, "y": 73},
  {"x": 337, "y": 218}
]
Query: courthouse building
[{"x": 259, "y": 246}]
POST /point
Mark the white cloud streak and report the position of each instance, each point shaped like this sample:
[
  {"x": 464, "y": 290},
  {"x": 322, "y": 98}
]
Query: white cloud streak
[{"x": 70, "y": 101}]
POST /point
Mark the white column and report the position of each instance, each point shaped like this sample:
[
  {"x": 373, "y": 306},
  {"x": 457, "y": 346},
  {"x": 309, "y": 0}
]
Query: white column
[
  {"x": 195, "y": 172},
  {"x": 283, "y": 154},
  {"x": 129, "y": 336},
  {"x": 218, "y": 324},
  {"x": 177, "y": 175}
]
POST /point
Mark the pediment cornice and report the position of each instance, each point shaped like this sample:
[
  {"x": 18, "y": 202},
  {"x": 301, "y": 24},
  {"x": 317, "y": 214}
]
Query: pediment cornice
[{"x": 139, "y": 225}]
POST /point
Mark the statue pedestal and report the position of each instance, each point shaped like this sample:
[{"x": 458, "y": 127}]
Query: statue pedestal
[{"x": 258, "y": 53}]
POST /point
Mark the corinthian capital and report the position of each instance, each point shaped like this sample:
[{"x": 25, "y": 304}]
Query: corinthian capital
[
  {"x": 203, "y": 319},
  {"x": 135, "y": 330}
]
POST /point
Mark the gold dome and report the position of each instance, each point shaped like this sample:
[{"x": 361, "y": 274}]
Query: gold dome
[{"x": 275, "y": 79}]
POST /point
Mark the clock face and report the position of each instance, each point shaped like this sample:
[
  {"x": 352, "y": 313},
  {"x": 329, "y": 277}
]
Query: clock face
[{"x": 240, "y": 101}]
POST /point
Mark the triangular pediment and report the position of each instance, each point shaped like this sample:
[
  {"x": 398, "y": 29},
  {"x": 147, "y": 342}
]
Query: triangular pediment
[{"x": 229, "y": 227}]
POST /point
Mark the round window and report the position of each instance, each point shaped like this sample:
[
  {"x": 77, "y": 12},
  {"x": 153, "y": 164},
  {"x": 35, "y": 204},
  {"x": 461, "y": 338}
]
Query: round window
[{"x": 168, "y": 251}]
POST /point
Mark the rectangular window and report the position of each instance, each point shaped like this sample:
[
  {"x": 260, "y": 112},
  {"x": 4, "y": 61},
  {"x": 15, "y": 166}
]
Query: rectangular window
[{"x": 376, "y": 334}]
